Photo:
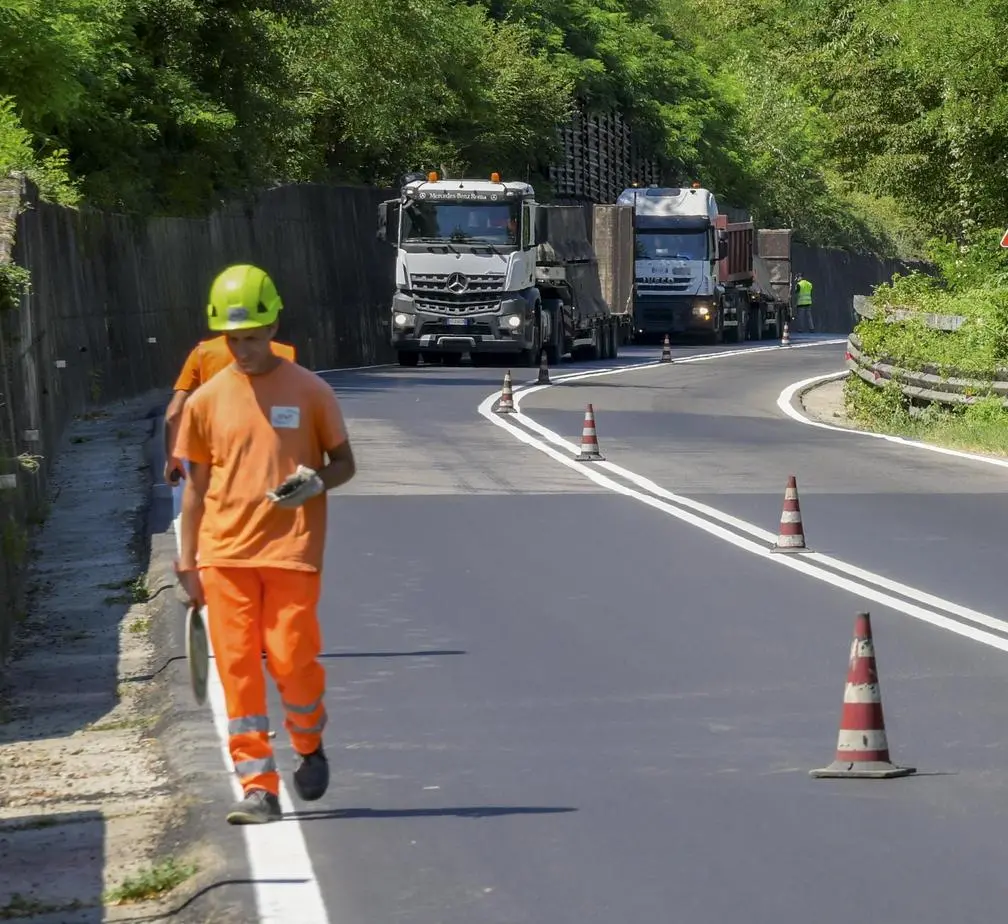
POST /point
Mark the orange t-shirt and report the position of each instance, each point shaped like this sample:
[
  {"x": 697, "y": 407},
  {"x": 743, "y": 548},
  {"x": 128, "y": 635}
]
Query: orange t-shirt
[
  {"x": 253, "y": 431},
  {"x": 210, "y": 356}
]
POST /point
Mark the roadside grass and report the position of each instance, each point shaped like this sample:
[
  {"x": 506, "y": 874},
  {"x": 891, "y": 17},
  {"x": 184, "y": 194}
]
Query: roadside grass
[
  {"x": 981, "y": 427},
  {"x": 151, "y": 883},
  {"x": 972, "y": 283}
]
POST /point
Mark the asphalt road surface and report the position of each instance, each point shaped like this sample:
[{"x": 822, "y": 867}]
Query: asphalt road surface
[{"x": 554, "y": 703}]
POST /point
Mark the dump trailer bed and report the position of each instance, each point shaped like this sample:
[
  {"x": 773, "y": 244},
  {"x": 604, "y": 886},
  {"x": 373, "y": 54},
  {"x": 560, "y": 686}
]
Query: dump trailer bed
[
  {"x": 568, "y": 279},
  {"x": 756, "y": 274}
]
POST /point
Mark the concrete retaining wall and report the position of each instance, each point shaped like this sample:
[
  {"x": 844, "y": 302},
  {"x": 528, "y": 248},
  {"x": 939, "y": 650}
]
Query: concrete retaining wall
[{"x": 836, "y": 277}]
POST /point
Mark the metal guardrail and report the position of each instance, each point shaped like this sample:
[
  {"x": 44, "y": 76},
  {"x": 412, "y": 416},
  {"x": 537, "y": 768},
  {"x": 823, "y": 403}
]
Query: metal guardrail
[
  {"x": 864, "y": 308},
  {"x": 924, "y": 385}
]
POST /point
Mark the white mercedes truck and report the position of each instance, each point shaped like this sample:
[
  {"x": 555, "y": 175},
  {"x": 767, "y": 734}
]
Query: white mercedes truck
[{"x": 483, "y": 269}]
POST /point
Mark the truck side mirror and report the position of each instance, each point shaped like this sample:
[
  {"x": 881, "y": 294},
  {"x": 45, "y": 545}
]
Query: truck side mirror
[
  {"x": 722, "y": 245},
  {"x": 388, "y": 219}
]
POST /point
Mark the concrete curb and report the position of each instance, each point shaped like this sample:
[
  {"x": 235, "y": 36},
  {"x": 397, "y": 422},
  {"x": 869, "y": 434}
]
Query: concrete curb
[{"x": 798, "y": 404}]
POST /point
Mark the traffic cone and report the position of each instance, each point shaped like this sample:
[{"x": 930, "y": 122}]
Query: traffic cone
[
  {"x": 785, "y": 339},
  {"x": 791, "y": 534},
  {"x": 544, "y": 378},
  {"x": 666, "y": 351},
  {"x": 506, "y": 404},
  {"x": 862, "y": 747},
  {"x": 589, "y": 439}
]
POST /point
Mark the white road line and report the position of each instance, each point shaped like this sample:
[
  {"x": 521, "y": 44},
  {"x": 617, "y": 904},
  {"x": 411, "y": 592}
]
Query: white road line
[
  {"x": 786, "y": 403},
  {"x": 283, "y": 877},
  {"x": 812, "y": 564}
]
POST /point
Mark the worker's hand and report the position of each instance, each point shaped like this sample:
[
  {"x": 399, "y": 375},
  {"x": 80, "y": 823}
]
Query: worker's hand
[
  {"x": 192, "y": 586},
  {"x": 174, "y": 471},
  {"x": 303, "y": 485}
]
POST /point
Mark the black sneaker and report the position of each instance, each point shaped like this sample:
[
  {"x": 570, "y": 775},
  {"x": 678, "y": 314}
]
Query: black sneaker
[
  {"x": 257, "y": 808},
  {"x": 311, "y": 775}
]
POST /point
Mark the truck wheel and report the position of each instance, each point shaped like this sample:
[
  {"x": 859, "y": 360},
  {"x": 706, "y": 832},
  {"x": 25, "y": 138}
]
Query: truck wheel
[
  {"x": 409, "y": 357},
  {"x": 530, "y": 358},
  {"x": 554, "y": 349},
  {"x": 614, "y": 339}
]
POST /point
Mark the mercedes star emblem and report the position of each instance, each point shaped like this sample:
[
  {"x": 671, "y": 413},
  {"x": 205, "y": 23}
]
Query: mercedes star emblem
[{"x": 457, "y": 282}]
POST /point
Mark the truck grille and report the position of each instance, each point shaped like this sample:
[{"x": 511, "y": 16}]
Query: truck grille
[
  {"x": 664, "y": 313},
  {"x": 477, "y": 284},
  {"x": 677, "y": 284}
]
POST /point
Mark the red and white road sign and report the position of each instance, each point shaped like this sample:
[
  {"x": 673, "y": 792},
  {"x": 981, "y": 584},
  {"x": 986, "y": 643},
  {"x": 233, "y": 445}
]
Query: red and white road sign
[{"x": 1004, "y": 239}]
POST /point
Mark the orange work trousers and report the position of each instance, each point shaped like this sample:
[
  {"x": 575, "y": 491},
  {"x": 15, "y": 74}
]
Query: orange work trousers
[{"x": 250, "y": 609}]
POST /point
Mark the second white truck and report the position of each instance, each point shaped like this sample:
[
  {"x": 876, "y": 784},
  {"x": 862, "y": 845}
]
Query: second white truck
[{"x": 697, "y": 273}]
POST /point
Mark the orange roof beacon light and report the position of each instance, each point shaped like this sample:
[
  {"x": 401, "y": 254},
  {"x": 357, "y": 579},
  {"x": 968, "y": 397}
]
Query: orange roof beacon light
[
  {"x": 495, "y": 177},
  {"x": 432, "y": 176}
]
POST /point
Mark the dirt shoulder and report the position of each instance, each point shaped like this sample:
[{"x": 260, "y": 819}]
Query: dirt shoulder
[
  {"x": 825, "y": 403},
  {"x": 95, "y": 823}
]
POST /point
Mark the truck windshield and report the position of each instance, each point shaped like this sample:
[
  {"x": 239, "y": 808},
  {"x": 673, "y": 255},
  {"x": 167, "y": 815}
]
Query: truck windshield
[
  {"x": 495, "y": 223},
  {"x": 671, "y": 245}
]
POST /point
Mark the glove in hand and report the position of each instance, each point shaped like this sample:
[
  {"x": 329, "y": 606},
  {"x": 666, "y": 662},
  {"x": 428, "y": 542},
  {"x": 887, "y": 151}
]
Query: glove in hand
[{"x": 303, "y": 485}]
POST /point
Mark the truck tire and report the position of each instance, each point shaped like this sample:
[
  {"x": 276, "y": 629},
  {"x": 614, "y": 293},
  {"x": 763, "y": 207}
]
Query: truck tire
[
  {"x": 409, "y": 357},
  {"x": 530, "y": 358},
  {"x": 555, "y": 348},
  {"x": 614, "y": 339}
]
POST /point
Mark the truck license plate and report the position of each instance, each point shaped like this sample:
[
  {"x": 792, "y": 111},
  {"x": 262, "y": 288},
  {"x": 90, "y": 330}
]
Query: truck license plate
[{"x": 457, "y": 322}]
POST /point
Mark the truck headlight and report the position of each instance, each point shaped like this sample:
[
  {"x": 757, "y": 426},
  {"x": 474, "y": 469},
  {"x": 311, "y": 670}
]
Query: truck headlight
[
  {"x": 403, "y": 320},
  {"x": 701, "y": 311},
  {"x": 514, "y": 321}
]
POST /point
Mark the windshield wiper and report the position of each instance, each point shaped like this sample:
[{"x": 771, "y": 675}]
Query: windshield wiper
[{"x": 431, "y": 241}]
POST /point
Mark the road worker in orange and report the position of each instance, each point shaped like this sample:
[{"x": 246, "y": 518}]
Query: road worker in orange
[
  {"x": 205, "y": 360},
  {"x": 256, "y": 437}
]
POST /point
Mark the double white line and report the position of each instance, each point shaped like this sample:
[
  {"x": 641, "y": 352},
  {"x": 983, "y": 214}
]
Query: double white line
[{"x": 869, "y": 586}]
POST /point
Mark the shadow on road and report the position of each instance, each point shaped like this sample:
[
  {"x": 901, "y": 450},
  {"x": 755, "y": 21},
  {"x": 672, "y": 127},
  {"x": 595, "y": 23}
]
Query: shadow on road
[{"x": 477, "y": 811}]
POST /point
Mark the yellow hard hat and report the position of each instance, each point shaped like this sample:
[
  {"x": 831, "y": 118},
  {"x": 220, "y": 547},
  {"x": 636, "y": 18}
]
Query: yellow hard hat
[{"x": 242, "y": 297}]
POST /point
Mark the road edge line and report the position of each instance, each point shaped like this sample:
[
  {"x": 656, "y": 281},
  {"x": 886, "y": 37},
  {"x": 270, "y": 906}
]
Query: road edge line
[{"x": 794, "y": 391}]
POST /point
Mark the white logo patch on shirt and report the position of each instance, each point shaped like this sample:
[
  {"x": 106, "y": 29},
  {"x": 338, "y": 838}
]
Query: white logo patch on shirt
[{"x": 285, "y": 418}]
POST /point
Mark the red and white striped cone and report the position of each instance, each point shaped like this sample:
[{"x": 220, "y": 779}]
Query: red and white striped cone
[
  {"x": 791, "y": 534},
  {"x": 544, "y": 378},
  {"x": 506, "y": 403},
  {"x": 666, "y": 351},
  {"x": 862, "y": 746},
  {"x": 589, "y": 439},
  {"x": 785, "y": 339}
]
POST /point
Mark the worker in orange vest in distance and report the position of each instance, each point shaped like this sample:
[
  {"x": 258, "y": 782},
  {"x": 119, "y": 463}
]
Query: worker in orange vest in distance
[
  {"x": 257, "y": 438},
  {"x": 206, "y": 359}
]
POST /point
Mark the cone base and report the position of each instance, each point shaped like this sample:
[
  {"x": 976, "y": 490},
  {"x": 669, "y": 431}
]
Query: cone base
[
  {"x": 591, "y": 457},
  {"x": 504, "y": 410},
  {"x": 789, "y": 548},
  {"x": 543, "y": 379},
  {"x": 861, "y": 770}
]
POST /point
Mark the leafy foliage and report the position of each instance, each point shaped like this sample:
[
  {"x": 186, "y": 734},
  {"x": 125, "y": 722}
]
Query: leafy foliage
[
  {"x": 972, "y": 283},
  {"x": 874, "y": 124}
]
